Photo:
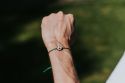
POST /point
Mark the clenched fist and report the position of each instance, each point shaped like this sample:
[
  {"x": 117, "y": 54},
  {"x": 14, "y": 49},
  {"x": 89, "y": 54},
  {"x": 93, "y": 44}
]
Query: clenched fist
[{"x": 57, "y": 27}]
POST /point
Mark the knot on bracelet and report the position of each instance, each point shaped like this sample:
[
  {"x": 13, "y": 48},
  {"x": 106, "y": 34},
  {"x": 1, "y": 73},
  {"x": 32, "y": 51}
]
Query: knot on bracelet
[{"x": 59, "y": 47}]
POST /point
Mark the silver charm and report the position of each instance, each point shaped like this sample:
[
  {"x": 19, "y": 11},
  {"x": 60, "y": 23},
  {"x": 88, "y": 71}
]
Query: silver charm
[{"x": 59, "y": 46}]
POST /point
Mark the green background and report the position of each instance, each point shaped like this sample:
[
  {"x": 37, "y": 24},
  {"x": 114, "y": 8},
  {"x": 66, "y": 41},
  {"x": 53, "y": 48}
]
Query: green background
[{"x": 98, "y": 46}]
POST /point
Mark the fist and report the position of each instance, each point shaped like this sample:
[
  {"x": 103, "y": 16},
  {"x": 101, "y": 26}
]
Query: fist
[{"x": 57, "y": 27}]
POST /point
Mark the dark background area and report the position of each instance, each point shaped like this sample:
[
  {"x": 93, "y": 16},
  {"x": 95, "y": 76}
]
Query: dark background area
[{"x": 22, "y": 62}]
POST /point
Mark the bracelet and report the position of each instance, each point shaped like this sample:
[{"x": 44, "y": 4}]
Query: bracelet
[{"x": 58, "y": 48}]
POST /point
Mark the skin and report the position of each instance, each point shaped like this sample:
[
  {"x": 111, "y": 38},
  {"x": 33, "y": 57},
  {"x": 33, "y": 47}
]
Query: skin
[{"x": 58, "y": 27}]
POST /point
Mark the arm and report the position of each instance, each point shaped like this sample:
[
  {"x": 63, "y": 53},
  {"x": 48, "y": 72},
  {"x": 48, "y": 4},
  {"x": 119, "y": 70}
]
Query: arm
[
  {"x": 57, "y": 28},
  {"x": 63, "y": 68}
]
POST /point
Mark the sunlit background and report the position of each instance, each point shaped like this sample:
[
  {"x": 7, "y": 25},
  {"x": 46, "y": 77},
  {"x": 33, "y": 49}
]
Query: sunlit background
[{"x": 98, "y": 46}]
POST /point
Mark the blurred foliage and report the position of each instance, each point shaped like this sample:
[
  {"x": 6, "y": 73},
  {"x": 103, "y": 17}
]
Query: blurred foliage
[{"x": 99, "y": 42}]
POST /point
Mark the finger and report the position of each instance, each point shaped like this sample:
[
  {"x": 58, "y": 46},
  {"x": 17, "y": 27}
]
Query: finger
[
  {"x": 52, "y": 14},
  {"x": 60, "y": 15},
  {"x": 71, "y": 17},
  {"x": 44, "y": 20},
  {"x": 68, "y": 22}
]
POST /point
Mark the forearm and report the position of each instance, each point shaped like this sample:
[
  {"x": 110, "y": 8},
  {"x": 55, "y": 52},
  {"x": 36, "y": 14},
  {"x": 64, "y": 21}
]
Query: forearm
[
  {"x": 63, "y": 67},
  {"x": 57, "y": 29}
]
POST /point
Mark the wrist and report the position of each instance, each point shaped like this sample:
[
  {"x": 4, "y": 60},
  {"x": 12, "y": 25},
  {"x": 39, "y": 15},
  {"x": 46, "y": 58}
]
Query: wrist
[
  {"x": 56, "y": 44},
  {"x": 64, "y": 42},
  {"x": 51, "y": 45}
]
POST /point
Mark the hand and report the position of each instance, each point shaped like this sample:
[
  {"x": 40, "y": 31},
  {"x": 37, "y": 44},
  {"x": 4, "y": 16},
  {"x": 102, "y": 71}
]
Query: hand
[{"x": 57, "y": 27}]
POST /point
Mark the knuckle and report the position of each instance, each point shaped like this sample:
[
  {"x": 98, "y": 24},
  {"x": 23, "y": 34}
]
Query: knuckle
[
  {"x": 52, "y": 14},
  {"x": 60, "y": 12},
  {"x": 71, "y": 17},
  {"x": 44, "y": 18}
]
